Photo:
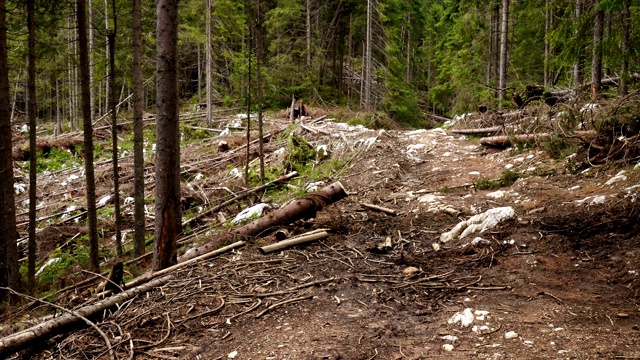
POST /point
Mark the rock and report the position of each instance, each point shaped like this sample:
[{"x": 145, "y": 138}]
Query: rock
[
  {"x": 465, "y": 318},
  {"x": 510, "y": 335},
  {"x": 410, "y": 271},
  {"x": 447, "y": 347}
]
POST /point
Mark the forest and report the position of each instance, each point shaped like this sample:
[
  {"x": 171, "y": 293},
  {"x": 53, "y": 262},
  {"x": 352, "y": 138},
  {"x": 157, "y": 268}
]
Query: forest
[
  {"x": 405, "y": 58},
  {"x": 81, "y": 80}
]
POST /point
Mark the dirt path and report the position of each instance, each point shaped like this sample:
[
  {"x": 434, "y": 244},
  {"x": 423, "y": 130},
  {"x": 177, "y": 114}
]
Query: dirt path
[{"x": 560, "y": 280}]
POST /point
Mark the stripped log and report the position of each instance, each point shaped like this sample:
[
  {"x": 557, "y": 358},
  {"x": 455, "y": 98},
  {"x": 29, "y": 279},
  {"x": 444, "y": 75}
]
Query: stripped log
[
  {"x": 37, "y": 334},
  {"x": 305, "y": 207},
  {"x": 379, "y": 208},
  {"x": 481, "y": 131},
  {"x": 295, "y": 241},
  {"x": 508, "y": 140}
]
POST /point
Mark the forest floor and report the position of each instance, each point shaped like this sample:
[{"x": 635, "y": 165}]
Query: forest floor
[{"x": 559, "y": 280}]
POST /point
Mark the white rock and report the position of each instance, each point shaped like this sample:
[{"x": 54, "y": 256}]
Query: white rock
[
  {"x": 280, "y": 151},
  {"x": 232, "y": 355},
  {"x": 508, "y": 166},
  {"x": 225, "y": 132},
  {"x": 465, "y": 318},
  {"x": 480, "y": 241},
  {"x": 128, "y": 200},
  {"x": 19, "y": 188},
  {"x": 447, "y": 347},
  {"x": 481, "y": 314},
  {"x": 249, "y": 213},
  {"x": 313, "y": 186},
  {"x": 574, "y": 188},
  {"x": 510, "y": 335},
  {"x": 104, "y": 200},
  {"x": 497, "y": 194},
  {"x": 451, "y": 338},
  {"x": 435, "y": 246},
  {"x": 619, "y": 177},
  {"x": 474, "y": 173},
  {"x": 480, "y": 223},
  {"x": 47, "y": 264},
  {"x": 235, "y": 173},
  {"x": 24, "y": 128}
]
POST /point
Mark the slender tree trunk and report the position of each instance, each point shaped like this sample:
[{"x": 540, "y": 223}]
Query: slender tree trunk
[
  {"x": 58, "y": 114},
  {"x": 9, "y": 269},
  {"x": 578, "y": 77},
  {"x": 81, "y": 17},
  {"x": 138, "y": 140},
  {"x": 107, "y": 89},
  {"x": 92, "y": 95},
  {"x": 367, "y": 62},
  {"x": 308, "y": 28},
  {"x": 209, "y": 67},
  {"x": 31, "y": 115},
  {"x": 408, "y": 74},
  {"x": 246, "y": 167},
  {"x": 596, "y": 61},
  {"x": 494, "y": 56},
  {"x": 111, "y": 41},
  {"x": 259, "y": 59},
  {"x": 626, "y": 27},
  {"x": 167, "y": 136},
  {"x": 199, "y": 77},
  {"x": 503, "y": 50},
  {"x": 547, "y": 46}
]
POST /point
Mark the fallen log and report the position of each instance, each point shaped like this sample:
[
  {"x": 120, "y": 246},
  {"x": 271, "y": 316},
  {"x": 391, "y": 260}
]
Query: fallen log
[
  {"x": 489, "y": 130},
  {"x": 305, "y": 207},
  {"x": 507, "y": 140},
  {"x": 35, "y": 335},
  {"x": 380, "y": 208},
  {"x": 238, "y": 197},
  {"x": 295, "y": 241}
]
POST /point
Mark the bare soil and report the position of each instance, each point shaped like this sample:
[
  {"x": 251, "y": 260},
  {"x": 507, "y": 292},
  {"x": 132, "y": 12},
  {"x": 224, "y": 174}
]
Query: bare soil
[{"x": 559, "y": 281}]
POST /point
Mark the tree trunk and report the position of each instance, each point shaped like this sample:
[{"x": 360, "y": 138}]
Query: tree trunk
[
  {"x": 92, "y": 94},
  {"x": 578, "y": 77},
  {"x": 81, "y": 18},
  {"x": 596, "y": 61},
  {"x": 31, "y": 115},
  {"x": 58, "y": 114},
  {"x": 503, "y": 51},
  {"x": 167, "y": 136},
  {"x": 626, "y": 27},
  {"x": 547, "y": 47},
  {"x": 308, "y": 31},
  {"x": 209, "y": 67},
  {"x": 367, "y": 60},
  {"x": 138, "y": 140},
  {"x": 113, "y": 104},
  {"x": 248, "y": 155},
  {"x": 9, "y": 269},
  {"x": 259, "y": 59}
]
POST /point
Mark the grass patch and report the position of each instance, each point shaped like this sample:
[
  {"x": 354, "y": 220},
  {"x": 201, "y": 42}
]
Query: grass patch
[{"x": 507, "y": 178}]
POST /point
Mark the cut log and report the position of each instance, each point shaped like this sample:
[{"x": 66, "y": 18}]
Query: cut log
[
  {"x": 508, "y": 140},
  {"x": 36, "y": 335},
  {"x": 295, "y": 241},
  {"x": 481, "y": 131},
  {"x": 305, "y": 207}
]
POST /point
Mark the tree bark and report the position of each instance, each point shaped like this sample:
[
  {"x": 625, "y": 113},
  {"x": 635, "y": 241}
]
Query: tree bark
[
  {"x": 578, "y": 77},
  {"x": 259, "y": 59},
  {"x": 547, "y": 45},
  {"x": 626, "y": 42},
  {"x": 503, "y": 51},
  {"x": 596, "y": 61},
  {"x": 209, "y": 67},
  {"x": 9, "y": 269},
  {"x": 111, "y": 41},
  {"x": 31, "y": 115},
  {"x": 167, "y": 136},
  {"x": 92, "y": 87},
  {"x": 81, "y": 18},
  {"x": 308, "y": 33},
  {"x": 138, "y": 140},
  {"x": 367, "y": 60}
]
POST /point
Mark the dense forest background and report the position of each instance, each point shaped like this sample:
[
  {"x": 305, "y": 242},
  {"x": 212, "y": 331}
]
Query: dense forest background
[{"x": 437, "y": 57}]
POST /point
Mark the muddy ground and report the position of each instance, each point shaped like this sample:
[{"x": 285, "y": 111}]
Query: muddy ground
[{"x": 560, "y": 280}]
